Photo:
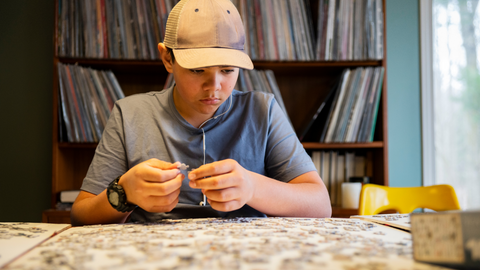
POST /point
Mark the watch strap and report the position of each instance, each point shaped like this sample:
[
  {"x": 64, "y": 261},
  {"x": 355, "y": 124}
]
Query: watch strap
[{"x": 123, "y": 206}]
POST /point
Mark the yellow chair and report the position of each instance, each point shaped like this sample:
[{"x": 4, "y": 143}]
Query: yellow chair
[{"x": 375, "y": 199}]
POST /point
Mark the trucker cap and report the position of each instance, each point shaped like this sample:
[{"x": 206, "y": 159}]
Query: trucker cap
[{"x": 205, "y": 33}]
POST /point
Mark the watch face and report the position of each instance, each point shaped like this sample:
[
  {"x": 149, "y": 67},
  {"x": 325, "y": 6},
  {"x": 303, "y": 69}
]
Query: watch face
[{"x": 113, "y": 198}]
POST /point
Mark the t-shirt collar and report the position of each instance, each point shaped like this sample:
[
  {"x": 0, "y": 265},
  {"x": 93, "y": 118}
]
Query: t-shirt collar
[{"x": 208, "y": 125}]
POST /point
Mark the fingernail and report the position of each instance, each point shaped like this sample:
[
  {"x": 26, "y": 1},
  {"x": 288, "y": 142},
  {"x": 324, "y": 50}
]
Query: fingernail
[
  {"x": 193, "y": 184},
  {"x": 192, "y": 176}
]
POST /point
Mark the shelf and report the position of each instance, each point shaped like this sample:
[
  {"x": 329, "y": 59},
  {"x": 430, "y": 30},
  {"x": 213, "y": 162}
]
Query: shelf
[
  {"x": 262, "y": 63},
  {"x": 118, "y": 65},
  {"x": 138, "y": 66},
  {"x": 110, "y": 61},
  {"x": 371, "y": 145},
  {"x": 306, "y": 145},
  {"x": 340, "y": 212},
  {"x": 312, "y": 64},
  {"x": 56, "y": 216},
  {"x": 77, "y": 145}
]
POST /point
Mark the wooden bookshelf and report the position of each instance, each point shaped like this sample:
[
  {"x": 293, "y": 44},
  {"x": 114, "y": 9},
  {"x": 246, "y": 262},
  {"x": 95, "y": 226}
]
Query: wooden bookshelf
[
  {"x": 300, "y": 83},
  {"x": 56, "y": 216}
]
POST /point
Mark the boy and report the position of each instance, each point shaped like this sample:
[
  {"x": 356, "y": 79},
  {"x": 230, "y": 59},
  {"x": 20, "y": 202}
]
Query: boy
[{"x": 244, "y": 156}]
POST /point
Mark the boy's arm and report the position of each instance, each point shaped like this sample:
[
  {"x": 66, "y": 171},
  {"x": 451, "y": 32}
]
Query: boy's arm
[
  {"x": 229, "y": 186},
  {"x": 304, "y": 196},
  {"x": 153, "y": 185},
  {"x": 95, "y": 209}
]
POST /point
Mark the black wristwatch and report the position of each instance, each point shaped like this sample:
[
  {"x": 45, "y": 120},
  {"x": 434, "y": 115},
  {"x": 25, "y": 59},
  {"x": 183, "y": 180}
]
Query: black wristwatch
[{"x": 117, "y": 197}]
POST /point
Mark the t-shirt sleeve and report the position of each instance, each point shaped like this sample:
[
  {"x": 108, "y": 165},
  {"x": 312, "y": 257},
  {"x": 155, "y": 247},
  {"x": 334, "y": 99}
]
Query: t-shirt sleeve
[
  {"x": 286, "y": 158},
  {"x": 109, "y": 160}
]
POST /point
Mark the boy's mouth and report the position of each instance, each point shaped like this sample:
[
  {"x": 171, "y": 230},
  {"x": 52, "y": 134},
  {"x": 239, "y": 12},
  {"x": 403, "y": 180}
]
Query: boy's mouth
[{"x": 210, "y": 101}]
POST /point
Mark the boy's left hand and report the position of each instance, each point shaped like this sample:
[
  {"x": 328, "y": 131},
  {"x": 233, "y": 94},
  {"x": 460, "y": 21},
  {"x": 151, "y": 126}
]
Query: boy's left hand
[{"x": 227, "y": 185}]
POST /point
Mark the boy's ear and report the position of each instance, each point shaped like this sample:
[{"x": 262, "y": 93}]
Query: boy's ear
[{"x": 165, "y": 57}]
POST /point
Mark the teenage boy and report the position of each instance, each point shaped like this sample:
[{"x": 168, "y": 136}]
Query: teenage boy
[{"x": 243, "y": 155}]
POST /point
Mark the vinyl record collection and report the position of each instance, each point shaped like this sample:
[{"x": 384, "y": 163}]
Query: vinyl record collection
[
  {"x": 355, "y": 106},
  {"x": 349, "y": 112},
  {"x": 337, "y": 167},
  {"x": 127, "y": 29},
  {"x": 86, "y": 99},
  {"x": 284, "y": 30},
  {"x": 275, "y": 30}
]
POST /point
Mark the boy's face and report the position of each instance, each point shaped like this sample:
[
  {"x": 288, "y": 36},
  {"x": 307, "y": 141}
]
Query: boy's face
[{"x": 199, "y": 92}]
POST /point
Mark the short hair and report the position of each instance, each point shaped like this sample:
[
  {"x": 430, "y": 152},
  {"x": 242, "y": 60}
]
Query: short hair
[{"x": 170, "y": 51}]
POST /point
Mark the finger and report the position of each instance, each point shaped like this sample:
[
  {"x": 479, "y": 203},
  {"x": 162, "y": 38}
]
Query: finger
[
  {"x": 160, "y": 164},
  {"x": 164, "y": 200},
  {"x": 165, "y": 188},
  {"x": 148, "y": 200},
  {"x": 215, "y": 182},
  {"x": 157, "y": 206},
  {"x": 158, "y": 175},
  {"x": 225, "y": 206},
  {"x": 212, "y": 169},
  {"x": 222, "y": 195}
]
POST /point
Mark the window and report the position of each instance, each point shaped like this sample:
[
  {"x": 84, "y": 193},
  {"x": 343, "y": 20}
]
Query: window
[{"x": 450, "y": 35}]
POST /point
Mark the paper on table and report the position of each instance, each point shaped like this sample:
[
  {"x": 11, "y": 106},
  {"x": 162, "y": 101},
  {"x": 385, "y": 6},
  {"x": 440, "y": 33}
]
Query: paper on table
[
  {"x": 16, "y": 238},
  {"x": 401, "y": 221}
]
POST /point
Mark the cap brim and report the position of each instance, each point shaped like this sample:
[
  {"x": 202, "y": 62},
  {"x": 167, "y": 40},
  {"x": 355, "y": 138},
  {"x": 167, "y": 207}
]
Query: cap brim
[{"x": 208, "y": 57}]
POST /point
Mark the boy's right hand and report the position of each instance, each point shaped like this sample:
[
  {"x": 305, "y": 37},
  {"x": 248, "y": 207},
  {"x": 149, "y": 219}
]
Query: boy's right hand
[{"x": 153, "y": 185}]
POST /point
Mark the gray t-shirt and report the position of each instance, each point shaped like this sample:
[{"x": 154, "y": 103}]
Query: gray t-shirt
[{"x": 254, "y": 131}]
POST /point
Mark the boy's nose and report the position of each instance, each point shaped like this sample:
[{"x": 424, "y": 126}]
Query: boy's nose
[{"x": 213, "y": 82}]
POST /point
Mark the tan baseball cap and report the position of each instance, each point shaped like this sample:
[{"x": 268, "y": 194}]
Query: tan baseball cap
[{"x": 205, "y": 33}]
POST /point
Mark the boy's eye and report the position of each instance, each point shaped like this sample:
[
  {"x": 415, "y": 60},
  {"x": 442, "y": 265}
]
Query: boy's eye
[
  {"x": 196, "y": 71},
  {"x": 228, "y": 70}
]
